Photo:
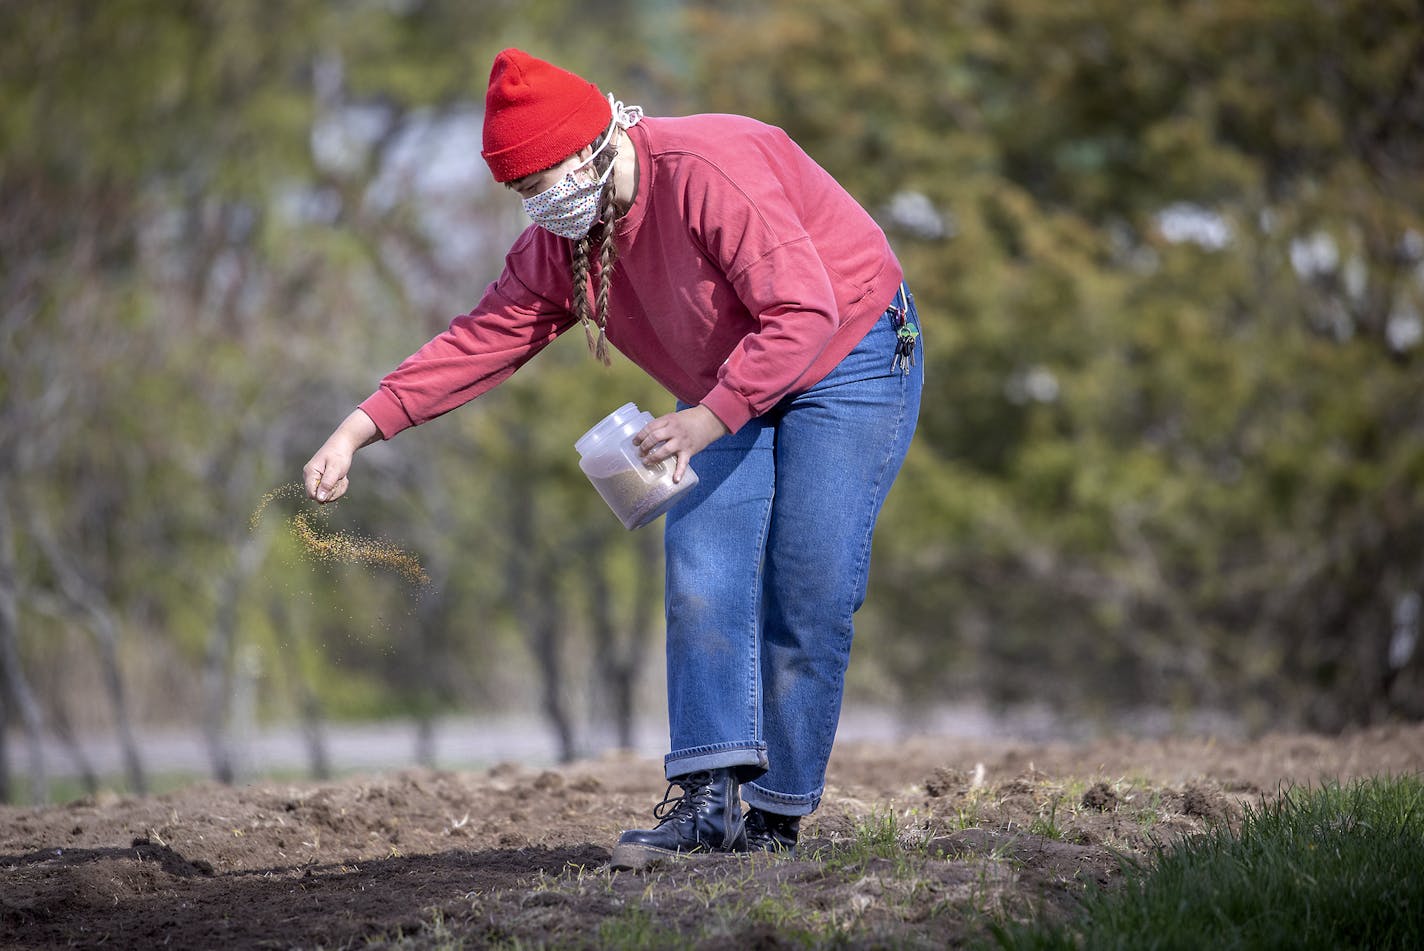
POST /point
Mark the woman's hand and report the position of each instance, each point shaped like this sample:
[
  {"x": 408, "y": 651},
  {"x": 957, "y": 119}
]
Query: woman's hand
[
  {"x": 324, "y": 477},
  {"x": 682, "y": 434}
]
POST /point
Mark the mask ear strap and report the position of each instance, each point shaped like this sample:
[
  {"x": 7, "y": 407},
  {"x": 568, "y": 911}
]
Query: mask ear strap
[
  {"x": 625, "y": 116},
  {"x": 607, "y": 138}
]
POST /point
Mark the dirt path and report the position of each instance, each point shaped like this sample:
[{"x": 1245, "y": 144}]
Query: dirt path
[{"x": 514, "y": 854}]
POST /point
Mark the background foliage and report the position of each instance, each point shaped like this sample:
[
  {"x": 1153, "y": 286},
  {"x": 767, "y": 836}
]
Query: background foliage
[{"x": 1169, "y": 257}]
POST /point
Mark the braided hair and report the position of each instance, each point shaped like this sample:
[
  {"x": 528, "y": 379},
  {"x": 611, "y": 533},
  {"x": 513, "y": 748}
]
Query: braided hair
[{"x": 601, "y": 234}]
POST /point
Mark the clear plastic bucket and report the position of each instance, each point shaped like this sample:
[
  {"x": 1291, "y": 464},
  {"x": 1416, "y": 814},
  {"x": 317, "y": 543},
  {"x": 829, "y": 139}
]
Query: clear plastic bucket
[{"x": 636, "y": 493}]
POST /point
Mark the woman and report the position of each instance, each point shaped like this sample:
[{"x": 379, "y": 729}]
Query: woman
[{"x": 719, "y": 258}]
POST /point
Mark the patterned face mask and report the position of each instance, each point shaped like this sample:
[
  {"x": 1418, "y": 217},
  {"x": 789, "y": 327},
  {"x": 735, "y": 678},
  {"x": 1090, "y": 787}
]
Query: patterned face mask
[{"x": 569, "y": 207}]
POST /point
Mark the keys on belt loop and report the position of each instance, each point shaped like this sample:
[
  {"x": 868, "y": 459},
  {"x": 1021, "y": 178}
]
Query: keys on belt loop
[{"x": 906, "y": 333}]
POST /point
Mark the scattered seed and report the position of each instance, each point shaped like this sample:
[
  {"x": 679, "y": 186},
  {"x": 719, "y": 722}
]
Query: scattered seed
[{"x": 345, "y": 547}]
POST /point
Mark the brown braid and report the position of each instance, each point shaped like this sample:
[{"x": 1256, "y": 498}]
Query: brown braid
[
  {"x": 608, "y": 255},
  {"x": 580, "y": 269}
]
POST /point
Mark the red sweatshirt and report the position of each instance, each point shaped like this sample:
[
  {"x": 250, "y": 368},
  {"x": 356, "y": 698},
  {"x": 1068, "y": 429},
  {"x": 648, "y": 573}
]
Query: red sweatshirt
[{"x": 745, "y": 273}]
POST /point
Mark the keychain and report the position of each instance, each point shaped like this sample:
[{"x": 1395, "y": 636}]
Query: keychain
[{"x": 905, "y": 334}]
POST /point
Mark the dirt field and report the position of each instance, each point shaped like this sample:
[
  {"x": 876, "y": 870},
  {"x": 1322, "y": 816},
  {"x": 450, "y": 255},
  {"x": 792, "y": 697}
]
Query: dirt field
[{"x": 917, "y": 844}]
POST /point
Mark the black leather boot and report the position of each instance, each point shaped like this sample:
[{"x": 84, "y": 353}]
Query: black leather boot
[
  {"x": 771, "y": 832},
  {"x": 706, "y": 818}
]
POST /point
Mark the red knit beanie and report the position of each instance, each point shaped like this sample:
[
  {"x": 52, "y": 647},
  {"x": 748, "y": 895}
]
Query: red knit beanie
[{"x": 537, "y": 115}]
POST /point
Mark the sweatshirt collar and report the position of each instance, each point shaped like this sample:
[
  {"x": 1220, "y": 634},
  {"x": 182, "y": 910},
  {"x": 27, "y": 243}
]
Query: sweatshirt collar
[{"x": 628, "y": 225}]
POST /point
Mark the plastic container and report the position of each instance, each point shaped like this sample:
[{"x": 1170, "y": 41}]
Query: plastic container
[{"x": 636, "y": 493}]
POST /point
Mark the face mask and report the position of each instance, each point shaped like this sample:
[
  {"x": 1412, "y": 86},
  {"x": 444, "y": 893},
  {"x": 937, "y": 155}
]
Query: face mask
[{"x": 569, "y": 207}]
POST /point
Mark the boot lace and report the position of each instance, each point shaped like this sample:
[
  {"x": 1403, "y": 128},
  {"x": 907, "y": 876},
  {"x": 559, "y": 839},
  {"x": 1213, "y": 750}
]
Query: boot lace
[{"x": 673, "y": 808}]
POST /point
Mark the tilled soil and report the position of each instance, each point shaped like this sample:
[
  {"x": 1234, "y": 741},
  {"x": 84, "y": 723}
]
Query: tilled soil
[{"x": 921, "y": 843}]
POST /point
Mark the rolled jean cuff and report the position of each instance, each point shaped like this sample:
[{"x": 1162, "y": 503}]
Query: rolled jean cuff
[
  {"x": 749, "y": 758},
  {"x": 783, "y": 804}
]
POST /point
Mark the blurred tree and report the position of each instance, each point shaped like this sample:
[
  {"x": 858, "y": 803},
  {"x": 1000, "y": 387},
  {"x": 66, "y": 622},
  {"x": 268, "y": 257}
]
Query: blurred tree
[
  {"x": 222, "y": 223},
  {"x": 1169, "y": 256},
  {"x": 1169, "y": 259}
]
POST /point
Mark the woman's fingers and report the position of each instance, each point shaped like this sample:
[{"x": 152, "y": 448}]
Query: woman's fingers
[
  {"x": 325, "y": 478},
  {"x": 658, "y": 446},
  {"x": 682, "y": 434}
]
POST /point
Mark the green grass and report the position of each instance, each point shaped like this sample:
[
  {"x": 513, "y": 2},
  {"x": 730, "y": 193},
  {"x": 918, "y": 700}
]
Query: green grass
[
  {"x": 1047, "y": 825},
  {"x": 1329, "y": 867},
  {"x": 67, "y": 789},
  {"x": 634, "y": 929},
  {"x": 881, "y": 835}
]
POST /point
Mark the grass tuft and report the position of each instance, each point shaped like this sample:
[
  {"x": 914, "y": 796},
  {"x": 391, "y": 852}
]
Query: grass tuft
[
  {"x": 1325, "y": 868},
  {"x": 635, "y": 928}
]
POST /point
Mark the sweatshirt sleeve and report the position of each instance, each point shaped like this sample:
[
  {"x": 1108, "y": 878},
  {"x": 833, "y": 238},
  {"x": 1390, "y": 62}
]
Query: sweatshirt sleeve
[
  {"x": 476, "y": 353},
  {"x": 752, "y": 226}
]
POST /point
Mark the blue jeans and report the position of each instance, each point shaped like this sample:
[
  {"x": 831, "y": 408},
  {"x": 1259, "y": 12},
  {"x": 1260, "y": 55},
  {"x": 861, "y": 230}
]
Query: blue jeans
[{"x": 767, "y": 561}]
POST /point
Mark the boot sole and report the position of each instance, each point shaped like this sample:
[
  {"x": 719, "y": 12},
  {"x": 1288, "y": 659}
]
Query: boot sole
[{"x": 631, "y": 857}]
